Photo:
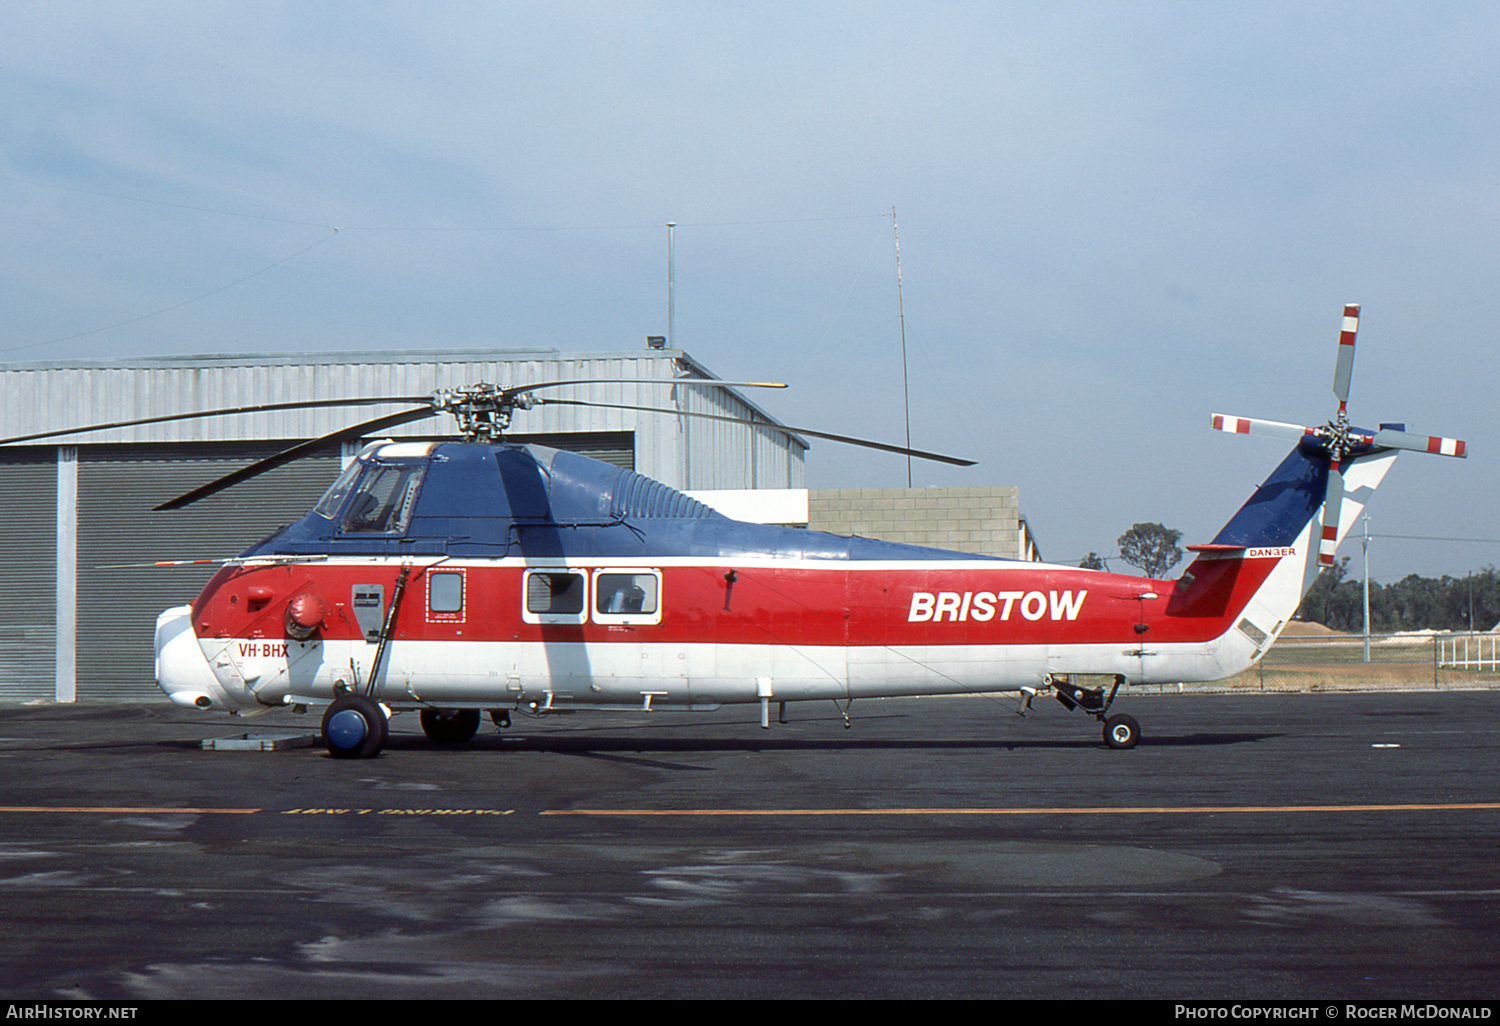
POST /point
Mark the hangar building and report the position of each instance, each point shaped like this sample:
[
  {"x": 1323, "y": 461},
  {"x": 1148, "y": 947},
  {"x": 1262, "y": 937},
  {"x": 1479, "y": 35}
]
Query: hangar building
[
  {"x": 81, "y": 598},
  {"x": 78, "y": 609}
]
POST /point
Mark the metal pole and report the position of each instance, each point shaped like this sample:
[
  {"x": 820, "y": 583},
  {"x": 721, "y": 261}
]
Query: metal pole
[
  {"x": 901, "y": 310},
  {"x": 1366, "y": 546},
  {"x": 671, "y": 273}
]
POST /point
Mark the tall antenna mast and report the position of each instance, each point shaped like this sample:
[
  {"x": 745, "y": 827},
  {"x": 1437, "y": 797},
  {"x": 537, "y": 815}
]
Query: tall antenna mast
[
  {"x": 901, "y": 310},
  {"x": 671, "y": 274}
]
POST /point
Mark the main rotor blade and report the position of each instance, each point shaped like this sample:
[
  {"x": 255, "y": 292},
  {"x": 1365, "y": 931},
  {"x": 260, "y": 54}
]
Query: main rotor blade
[
  {"x": 1388, "y": 438},
  {"x": 403, "y": 400},
  {"x": 781, "y": 428},
  {"x": 711, "y": 382},
  {"x": 296, "y": 452},
  {"x": 1344, "y": 369},
  {"x": 1263, "y": 428},
  {"x": 304, "y": 404}
]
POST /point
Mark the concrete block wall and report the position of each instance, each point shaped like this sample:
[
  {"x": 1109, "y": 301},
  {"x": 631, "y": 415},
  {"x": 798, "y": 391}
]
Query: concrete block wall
[{"x": 982, "y": 520}]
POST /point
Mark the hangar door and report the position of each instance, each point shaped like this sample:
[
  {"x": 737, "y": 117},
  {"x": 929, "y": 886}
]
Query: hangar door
[
  {"x": 117, "y": 486},
  {"x": 28, "y": 560}
]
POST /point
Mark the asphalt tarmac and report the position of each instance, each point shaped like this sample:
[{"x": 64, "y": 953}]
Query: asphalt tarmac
[{"x": 1288, "y": 847}]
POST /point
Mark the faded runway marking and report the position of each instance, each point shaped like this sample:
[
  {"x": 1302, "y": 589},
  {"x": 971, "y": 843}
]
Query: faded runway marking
[{"x": 1089, "y": 811}]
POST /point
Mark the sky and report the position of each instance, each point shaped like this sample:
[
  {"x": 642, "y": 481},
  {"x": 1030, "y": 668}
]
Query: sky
[{"x": 1115, "y": 219}]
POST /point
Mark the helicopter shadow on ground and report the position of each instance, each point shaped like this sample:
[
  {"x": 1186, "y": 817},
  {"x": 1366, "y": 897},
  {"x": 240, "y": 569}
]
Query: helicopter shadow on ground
[{"x": 622, "y": 742}]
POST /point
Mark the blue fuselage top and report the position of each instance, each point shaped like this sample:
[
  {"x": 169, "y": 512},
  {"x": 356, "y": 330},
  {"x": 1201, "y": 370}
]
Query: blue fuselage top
[{"x": 474, "y": 500}]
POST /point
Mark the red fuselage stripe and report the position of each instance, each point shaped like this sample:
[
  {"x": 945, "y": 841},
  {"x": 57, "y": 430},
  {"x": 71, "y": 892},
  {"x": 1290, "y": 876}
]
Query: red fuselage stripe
[{"x": 771, "y": 605}]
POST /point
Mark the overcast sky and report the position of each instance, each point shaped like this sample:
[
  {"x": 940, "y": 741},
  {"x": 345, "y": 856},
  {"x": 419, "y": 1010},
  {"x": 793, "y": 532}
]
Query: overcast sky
[{"x": 1116, "y": 219}]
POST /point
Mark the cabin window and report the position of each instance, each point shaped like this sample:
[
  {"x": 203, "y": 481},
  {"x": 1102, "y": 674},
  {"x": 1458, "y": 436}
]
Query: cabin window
[
  {"x": 627, "y": 596},
  {"x": 445, "y": 595},
  {"x": 556, "y": 596}
]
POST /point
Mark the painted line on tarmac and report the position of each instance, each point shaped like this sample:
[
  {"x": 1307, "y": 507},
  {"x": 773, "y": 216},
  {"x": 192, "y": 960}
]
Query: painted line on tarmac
[
  {"x": 136, "y": 810},
  {"x": 1095, "y": 811},
  {"x": 397, "y": 812},
  {"x": 122, "y": 809}
]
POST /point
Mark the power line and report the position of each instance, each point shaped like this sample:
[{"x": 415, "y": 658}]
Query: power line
[
  {"x": 1429, "y": 537},
  {"x": 332, "y": 231},
  {"x": 175, "y": 306}
]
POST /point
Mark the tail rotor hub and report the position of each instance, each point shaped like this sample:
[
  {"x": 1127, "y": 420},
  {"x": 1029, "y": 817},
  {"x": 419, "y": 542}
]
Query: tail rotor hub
[{"x": 1338, "y": 440}]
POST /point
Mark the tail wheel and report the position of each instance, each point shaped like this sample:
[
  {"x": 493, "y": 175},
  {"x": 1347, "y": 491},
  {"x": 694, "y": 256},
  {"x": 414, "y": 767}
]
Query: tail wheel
[
  {"x": 449, "y": 726},
  {"x": 1121, "y": 731},
  {"x": 355, "y": 727}
]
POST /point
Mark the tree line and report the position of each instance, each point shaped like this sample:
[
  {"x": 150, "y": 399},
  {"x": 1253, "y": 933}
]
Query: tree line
[
  {"x": 1410, "y": 604},
  {"x": 1337, "y": 601}
]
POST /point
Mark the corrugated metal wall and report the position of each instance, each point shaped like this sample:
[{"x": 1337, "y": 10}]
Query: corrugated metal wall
[
  {"x": 28, "y": 559},
  {"x": 117, "y": 486},
  {"x": 43, "y": 397}
]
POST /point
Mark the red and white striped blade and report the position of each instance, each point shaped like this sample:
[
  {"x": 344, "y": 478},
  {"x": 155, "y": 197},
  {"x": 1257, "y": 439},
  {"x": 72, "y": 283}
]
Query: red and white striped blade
[
  {"x": 1344, "y": 369},
  {"x": 1388, "y": 439},
  {"x": 1264, "y": 428},
  {"x": 1333, "y": 508}
]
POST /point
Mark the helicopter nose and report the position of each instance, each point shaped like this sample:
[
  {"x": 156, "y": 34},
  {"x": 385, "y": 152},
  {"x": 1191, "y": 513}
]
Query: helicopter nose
[{"x": 182, "y": 672}]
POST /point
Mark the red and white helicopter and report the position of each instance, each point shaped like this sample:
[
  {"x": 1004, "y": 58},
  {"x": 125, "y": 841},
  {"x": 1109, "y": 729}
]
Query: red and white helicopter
[{"x": 458, "y": 578}]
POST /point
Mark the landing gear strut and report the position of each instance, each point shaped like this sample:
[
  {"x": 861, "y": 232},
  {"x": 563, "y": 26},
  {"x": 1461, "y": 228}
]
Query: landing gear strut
[{"x": 1120, "y": 730}]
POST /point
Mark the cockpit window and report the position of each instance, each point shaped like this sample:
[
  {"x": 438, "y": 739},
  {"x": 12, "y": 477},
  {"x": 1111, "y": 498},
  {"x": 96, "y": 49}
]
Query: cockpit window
[
  {"x": 328, "y": 505},
  {"x": 383, "y": 500}
]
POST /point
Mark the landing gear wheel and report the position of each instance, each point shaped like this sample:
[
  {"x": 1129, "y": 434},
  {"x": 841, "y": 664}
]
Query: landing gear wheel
[
  {"x": 449, "y": 726},
  {"x": 355, "y": 727},
  {"x": 1121, "y": 731}
]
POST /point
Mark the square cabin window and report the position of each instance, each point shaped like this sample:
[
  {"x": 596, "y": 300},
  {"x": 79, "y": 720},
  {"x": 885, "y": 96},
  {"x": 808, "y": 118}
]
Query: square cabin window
[
  {"x": 555, "y": 596},
  {"x": 445, "y": 593},
  {"x": 627, "y": 596}
]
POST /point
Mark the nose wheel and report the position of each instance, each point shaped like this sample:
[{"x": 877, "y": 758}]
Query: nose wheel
[{"x": 355, "y": 727}]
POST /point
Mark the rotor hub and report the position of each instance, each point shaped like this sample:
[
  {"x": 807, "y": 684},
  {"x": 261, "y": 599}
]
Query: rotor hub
[{"x": 483, "y": 411}]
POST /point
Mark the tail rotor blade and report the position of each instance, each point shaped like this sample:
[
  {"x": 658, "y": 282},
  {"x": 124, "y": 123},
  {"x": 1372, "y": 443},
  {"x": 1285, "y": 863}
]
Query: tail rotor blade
[
  {"x": 1333, "y": 508},
  {"x": 1344, "y": 369},
  {"x": 1263, "y": 428},
  {"x": 1388, "y": 438}
]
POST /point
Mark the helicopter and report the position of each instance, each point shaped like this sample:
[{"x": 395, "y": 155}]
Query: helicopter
[{"x": 456, "y": 579}]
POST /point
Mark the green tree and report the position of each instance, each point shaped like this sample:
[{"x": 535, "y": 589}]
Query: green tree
[
  {"x": 1093, "y": 561},
  {"x": 1318, "y": 603},
  {"x": 1152, "y": 547}
]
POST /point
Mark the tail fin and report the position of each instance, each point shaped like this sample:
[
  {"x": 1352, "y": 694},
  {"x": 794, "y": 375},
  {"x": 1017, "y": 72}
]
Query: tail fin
[
  {"x": 1265, "y": 559},
  {"x": 1260, "y": 565}
]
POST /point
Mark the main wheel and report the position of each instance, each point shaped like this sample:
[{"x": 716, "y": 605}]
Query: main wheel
[
  {"x": 355, "y": 727},
  {"x": 1121, "y": 731},
  {"x": 449, "y": 726}
]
